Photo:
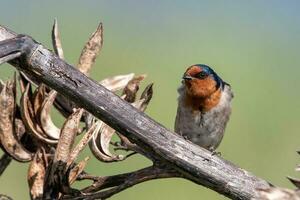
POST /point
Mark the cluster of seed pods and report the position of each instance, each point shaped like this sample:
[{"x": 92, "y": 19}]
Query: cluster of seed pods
[{"x": 28, "y": 133}]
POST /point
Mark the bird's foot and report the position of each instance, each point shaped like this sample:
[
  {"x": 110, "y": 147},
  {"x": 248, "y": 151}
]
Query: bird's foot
[
  {"x": 216, "y": 153},
  {"x": 185, "y": 137}
]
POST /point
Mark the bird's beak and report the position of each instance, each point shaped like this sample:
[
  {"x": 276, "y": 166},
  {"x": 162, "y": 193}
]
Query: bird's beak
[{"x": 187, "y": 77}]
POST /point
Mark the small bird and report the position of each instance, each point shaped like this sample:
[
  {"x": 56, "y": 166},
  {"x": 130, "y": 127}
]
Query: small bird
[{"x": 204, "y": 107}]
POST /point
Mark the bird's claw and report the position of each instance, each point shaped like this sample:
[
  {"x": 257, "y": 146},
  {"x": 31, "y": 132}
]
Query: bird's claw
[{"x": 216, "y": 153}]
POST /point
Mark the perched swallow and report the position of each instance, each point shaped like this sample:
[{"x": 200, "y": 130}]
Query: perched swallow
[{"x": 204, "y": 107}]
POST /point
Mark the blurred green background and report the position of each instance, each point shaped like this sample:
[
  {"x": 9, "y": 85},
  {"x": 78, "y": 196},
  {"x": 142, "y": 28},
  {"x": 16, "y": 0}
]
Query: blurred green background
[{"x": 253, "y": 45}]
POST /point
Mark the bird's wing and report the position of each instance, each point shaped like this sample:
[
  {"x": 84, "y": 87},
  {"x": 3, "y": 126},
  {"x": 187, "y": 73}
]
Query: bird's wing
[
  {"x": 229, "y": 90},
  {"x": 181, "y": 91},
  {"x": 177, "y": 120}
]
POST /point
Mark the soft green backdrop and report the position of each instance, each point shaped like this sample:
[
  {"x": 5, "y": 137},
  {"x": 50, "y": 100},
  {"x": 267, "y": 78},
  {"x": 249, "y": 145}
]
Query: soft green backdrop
[{"x": 253, "y": 45}]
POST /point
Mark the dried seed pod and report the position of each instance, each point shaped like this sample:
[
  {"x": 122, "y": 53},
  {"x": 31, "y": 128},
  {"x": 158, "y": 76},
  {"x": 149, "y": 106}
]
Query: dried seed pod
[
  {"x": 38, "y": 97},
  {"x": 56, "y": 42},
  {"x": 36, "y": 175},
  {"x": 20, "y": 131},
  {"x": 132, "y": 87},
  {"x": 76, "y": 170},
  {"x": 146, "y": 96},
  {"x": 8, "y": 137},
  {"x": 95, "y": 149},
  {"x": 100, "y": 143},
  {"x": 67, "y": 137},
  {"x": 82, "y": 143},
  {"x": 106, "y": 133},
  {"x": 29, "y": 120},
  {"x": 19, "y": 128},
  {"x": 23, "y": 82},
  {"x": 116, "y": 83},
  {"x": 56, "y": 180},
  {"x": 91, "y": 50},
  {"x": 45, "y": 118}
]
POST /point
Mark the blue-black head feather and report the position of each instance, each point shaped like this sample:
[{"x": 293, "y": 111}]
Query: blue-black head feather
[{"x": 211, "y": 72}]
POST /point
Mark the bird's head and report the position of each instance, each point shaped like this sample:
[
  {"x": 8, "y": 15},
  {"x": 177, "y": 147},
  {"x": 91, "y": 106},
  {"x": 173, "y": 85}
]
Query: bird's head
[{"x": 201, "y": 81}]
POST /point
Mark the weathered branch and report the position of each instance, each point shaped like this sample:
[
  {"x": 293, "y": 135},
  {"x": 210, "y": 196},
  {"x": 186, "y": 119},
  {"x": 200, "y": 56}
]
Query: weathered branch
[
  {"x": 190, "y": 160},
  {"x": 121, "y": 182}
]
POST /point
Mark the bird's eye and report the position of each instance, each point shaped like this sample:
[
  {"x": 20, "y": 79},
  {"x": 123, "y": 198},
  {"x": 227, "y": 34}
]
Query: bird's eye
[{"x": 201, "y": 75}]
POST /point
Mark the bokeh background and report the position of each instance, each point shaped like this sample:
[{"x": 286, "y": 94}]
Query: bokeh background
[{"x": 253, "y": 45}]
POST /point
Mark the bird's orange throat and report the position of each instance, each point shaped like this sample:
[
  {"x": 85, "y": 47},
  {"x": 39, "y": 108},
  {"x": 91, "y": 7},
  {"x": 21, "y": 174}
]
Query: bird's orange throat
[{"x": 203, "y": 104}]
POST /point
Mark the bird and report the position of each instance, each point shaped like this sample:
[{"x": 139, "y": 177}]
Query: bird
[{"x": 204, "y": 107}]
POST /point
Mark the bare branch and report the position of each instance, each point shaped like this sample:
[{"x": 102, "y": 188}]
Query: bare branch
[
  {"x": 193, "y": 162},
  {"x": 120, "y": 182}
]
